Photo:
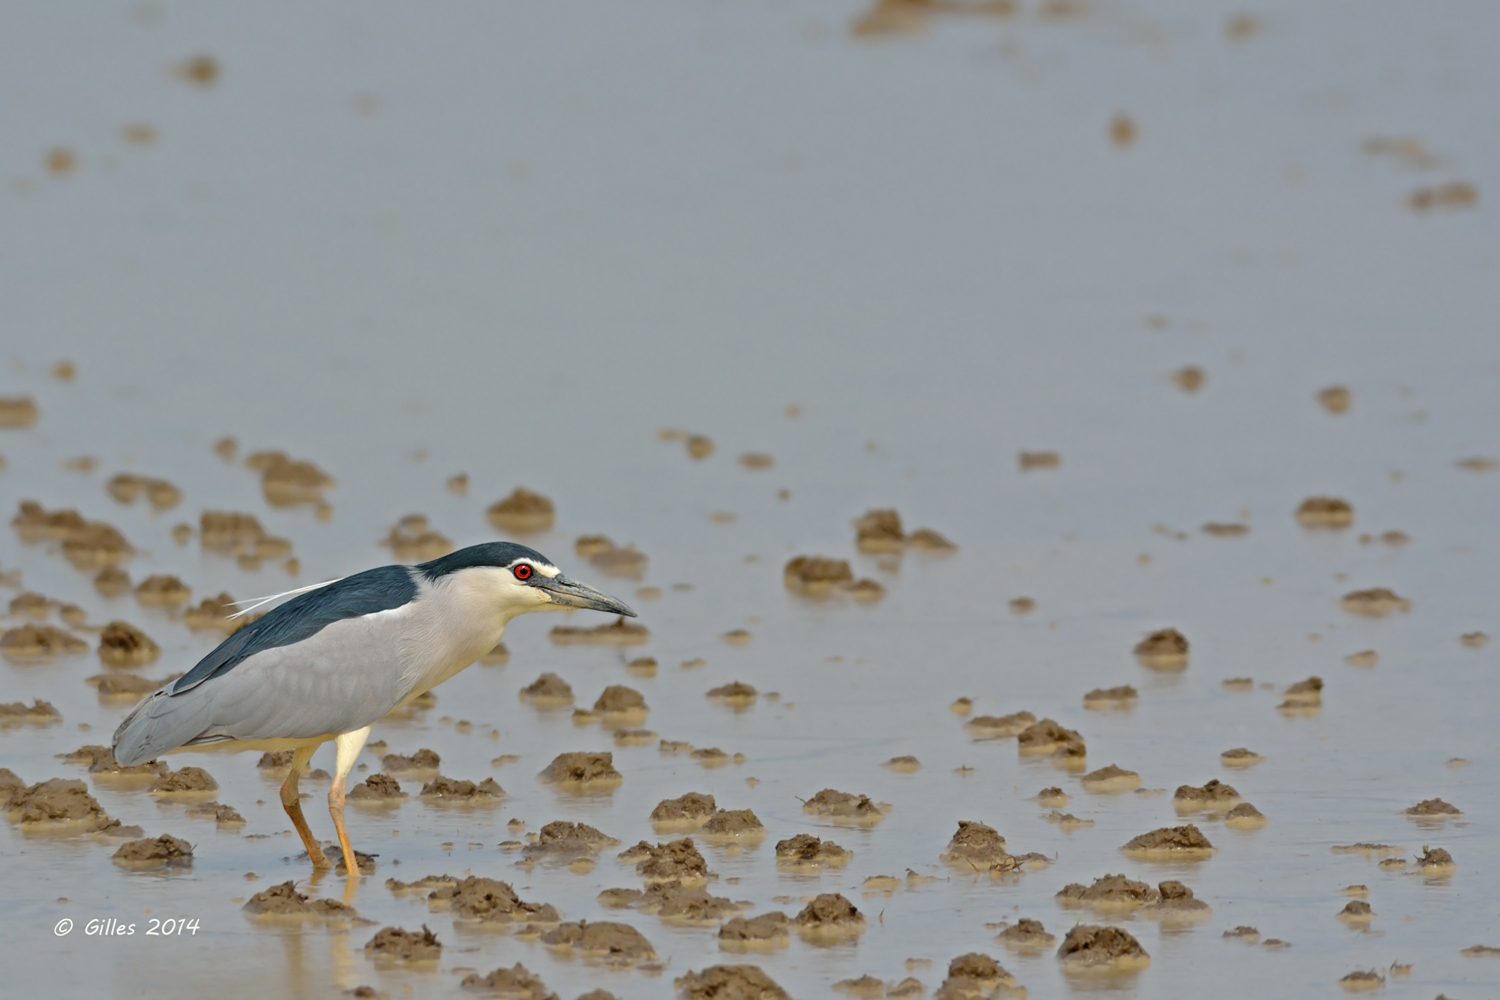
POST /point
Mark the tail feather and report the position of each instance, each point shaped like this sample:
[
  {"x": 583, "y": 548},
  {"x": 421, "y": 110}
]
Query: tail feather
[{"x": 158, "y": 725}]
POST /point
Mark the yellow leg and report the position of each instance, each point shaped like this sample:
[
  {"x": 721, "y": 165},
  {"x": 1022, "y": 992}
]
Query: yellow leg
[
  {"x": 349, "y": 745},
  {"x": 293, "y": 804}
]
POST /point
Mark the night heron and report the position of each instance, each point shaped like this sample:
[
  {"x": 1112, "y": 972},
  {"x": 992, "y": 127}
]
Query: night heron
[{"x": 333, "y": 660}]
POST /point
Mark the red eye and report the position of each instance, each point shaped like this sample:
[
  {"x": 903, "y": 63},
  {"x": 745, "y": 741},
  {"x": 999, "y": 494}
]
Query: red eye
[{"x": 523, "y": 572}]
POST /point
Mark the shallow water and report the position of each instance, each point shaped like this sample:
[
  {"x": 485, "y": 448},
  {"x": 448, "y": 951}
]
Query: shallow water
[{"x": 518, "y": 242}]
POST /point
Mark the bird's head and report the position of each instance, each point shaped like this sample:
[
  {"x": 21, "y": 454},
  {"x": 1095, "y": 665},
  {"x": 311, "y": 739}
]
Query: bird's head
[{"x": 513, "y": 579}]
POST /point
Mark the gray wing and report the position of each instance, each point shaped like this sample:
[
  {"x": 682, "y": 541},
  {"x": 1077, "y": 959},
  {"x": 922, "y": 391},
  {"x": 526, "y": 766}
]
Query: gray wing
[{"x": 342, "y": 678}]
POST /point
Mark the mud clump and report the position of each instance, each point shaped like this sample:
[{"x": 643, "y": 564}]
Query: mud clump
[
  {"x": 603, "y": 554},
  {"x": 1231, "y": 529},
  {"x": 865, "y": 986},
  {"x": 377, "y": 788},
  {"x": 975, "y": 975},
  {"x": 37, "y": 642},
  {"x": 730, "y": 982},
  {"x": 1164, "y": 649},
  {"x": 394, "y": 944},
  {"x": 1474, "y": 640},
  {"x": 734, "y": 693},
  {"x": 19, "y": 412},
  {"x": 1214, "y": 794},
  {"x": 1029, "y": 461},
  {"x": 276, "y": 763},
  {"x": 760, "y": 931},
  {"x": 1052, "y": 798},
  {"x": 1357, "y": 911},
  {"x": 229, "y": 533},
  {"x": 699, "y": 446},
  {"x": 1335, "y": 399},
  {"x": 1176, "y": 903},
  {"x": 1435, "y": 861},
  {"x": 1189, "y": 378},
  {"x": 1092, "y": 946},
  {"x": 112, "y": 581},
  {"x": 548, "y": 689},
  {"x": 614, "y": 943},
  {"x": 425, "y": 884},
  {"x": 879, "y": 531},
  {"x": 100, "y": 760},
  {"x": 1245, "y": 817},
  {"x": 816, "y": 575},
  {"x": 675, "y": 861},
  {"x": 392, "y": 763},
  {"x": 616, "y": 633},
  {"x": 1112, "y": 892},
  {"x": 413, "y": 540},
  {"x": 906, "y": 764},
  {"x": 1026, "y": 935},
  {"x": 515, "y": 983},
  {"x": 34, "y": 523},
  {"x": 286, "y": 482},
  {"x": 30, "y": 605},
  {"x": 1452, "y": 196},
  {"x": 1377, "y": 602},
  {"x": 810, "y": 852},
  {"x": 225, "y": 817},
  {"x": 1240, "y": 757},
  {"x": 844, "y": 807},
  {"x": 1171, "y": 840},
  {"x": 489, "y": 901},
  {"x": 188, "y": 781},
  {"x": 688, "y": 906},
  {"x": 829, "y": 912},
  {"x": 111, "y": 686},
  {"x": 1115, "y": 697},
  {"x": 686, "y": 811},
  {"x": 121, "y": 644},
  {"x": 977, "y": 847},
  {"x": 734, "y": 823},
  {"x": 285, "y": 901},
  {"x": 127, "y": 488},
  {"x": 1367, "y": 849},
  {"x": 643, "y": 666},
  {"x": 58, "y": 803},
  {"x": 1047, "y": 737},
  {"x": 1325, "y": 512},
  {"x": 523, "y": 511},
  {"x": 1432, "y": 808},
  {"x": 448, "y": 791},
  {"x": 213, "y": 614},
  {"x": 38, "y": 713},
  {"x": 1111, "y": 779},
  {"x": 563, "y": 842},
  {"x": 929, "y": 541},
  {"x": 998, "y": 727},
  {"x": 582, "y": 768},
  {"x": 1306, "y": 694},
  {"x": 617, "y": 698},
  {"x": 164, "y": 851}
]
